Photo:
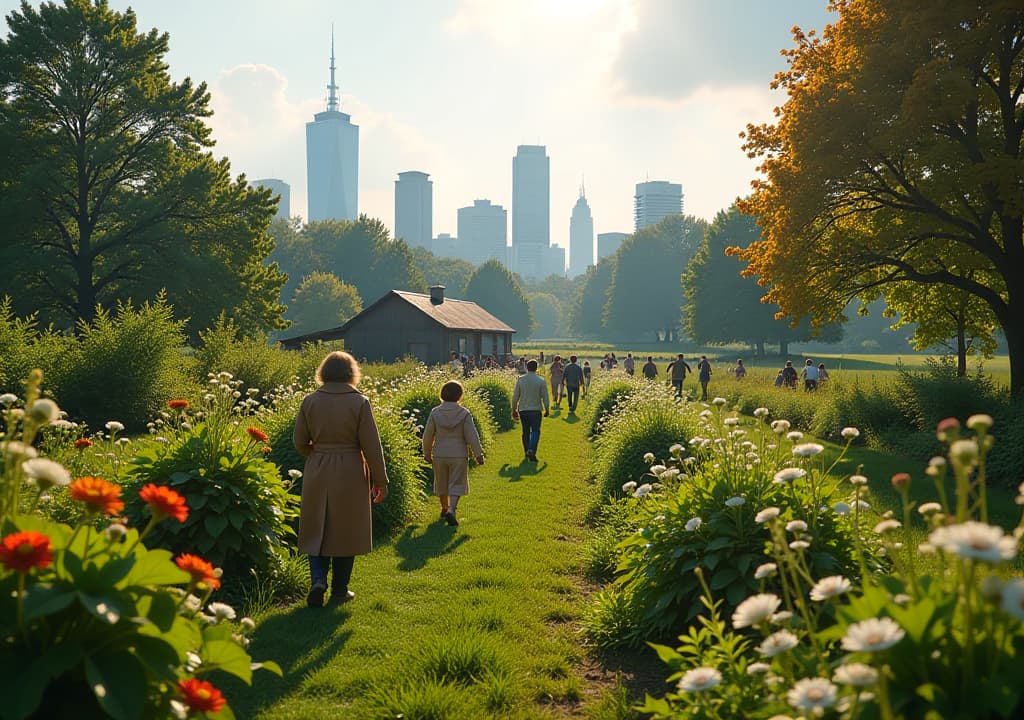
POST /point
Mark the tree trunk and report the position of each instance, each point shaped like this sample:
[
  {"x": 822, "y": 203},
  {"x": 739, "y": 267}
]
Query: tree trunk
[
  {"x": 1014, "y": 332},
  {"x": 783, "y": 347},
  {"x": 961, "y": 351},
  {"x": 759, "y": 348},
  {"x": 85, "y": 303}
]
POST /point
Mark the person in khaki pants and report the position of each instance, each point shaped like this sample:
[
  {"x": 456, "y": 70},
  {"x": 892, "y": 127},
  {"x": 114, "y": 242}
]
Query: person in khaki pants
[{"x": 448, "y": 437}]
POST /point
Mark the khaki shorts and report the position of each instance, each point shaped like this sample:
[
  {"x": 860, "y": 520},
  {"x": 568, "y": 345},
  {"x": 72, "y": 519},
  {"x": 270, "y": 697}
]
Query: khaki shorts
[{"x": 451, "y": 476}]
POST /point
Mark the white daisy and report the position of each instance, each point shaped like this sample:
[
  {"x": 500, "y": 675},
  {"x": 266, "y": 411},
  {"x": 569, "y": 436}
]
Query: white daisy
[
  {"x": 767, "y": 515},
  {"x": 929, "y": 508},
  {"x": 841, "y": 508},
  {"x": 692, "y": 524},
  {"x": 719, "y": 401},
  {"x": 794, "y": 436},
  {"x": 812, "y": 694},
  {"x": 976, "y": 541},
  {"x": 795, "y": 526},
  {"x": 808, "y": 450},
  {"x": 758, "y": 668},
  {"x": 699, "y": 679},
  {"x": 761, "y": 412},
  {"x": 872, "y": 635},
  {"x": 765, "y": 570},
  {"x": 221, "y": 611},
  {"x": 799, "y": 545},
  {"x": 755, "y": 610},
  {"x": 780, "y": 426},
  {"x": 830, "y": 587},
  {"x": 1012, "y": 601},
  {"x": 856, "y": 674},
  {"x": 629, "y": 487},
  {"x": 858, "y": 480},
  {"x": 887, "y": 526},
  {"x": 964, "y": 452},
  {"x": 649, "y": 457},
  {"x": 657, "y": 469},
  {"x": 642, "y": 491},
  {"x": 979, "y": 423},
  {"x": 113, "y": 426},
  {"x": 778, "y": 642},
  {"x": 43, "y": 411},
  {"x": 735, "y": 502},
  {"x": 788, "y": 475},
  {"x": 850, "y": 433},
  {"x": 675, "y": 449},
  {"x": 46, "y": 473}
]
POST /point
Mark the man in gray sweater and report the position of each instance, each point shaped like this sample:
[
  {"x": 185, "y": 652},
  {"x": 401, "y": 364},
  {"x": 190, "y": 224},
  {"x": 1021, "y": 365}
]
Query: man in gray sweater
[{"x": 528, "y": 399}]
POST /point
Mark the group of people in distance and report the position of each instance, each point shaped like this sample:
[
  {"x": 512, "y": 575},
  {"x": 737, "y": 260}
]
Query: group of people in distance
[{"x": 813, "y": 376}]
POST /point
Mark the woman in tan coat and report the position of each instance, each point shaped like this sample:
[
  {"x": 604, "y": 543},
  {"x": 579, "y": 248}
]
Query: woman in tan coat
[{"x": 336, "y": 431}]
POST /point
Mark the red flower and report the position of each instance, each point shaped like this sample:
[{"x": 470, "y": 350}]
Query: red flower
[
  {"x": 948, "y": 429},
  {"x": 82, "y": 443},
  {"x": 24, "y": 550},
  {"x": 901, "y": 480},
  {"x": 200, "y": 570},
  {"x": 201, "y": 696},
  {"x": 164, "y": 502},
  {"x": 177, "y": 404},
  {"x": 98, "y": 494},
  {"x": 257, "y": 434}
]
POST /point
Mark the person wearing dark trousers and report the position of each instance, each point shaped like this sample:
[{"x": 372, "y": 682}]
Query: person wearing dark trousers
[
  {"x": 704, "y": 376},
  {"x": 335, "y": 431},
  {"x": 529, "y": 399},
  {"x": 677, "y": 370},
  {"x": 573, "y": 379}
]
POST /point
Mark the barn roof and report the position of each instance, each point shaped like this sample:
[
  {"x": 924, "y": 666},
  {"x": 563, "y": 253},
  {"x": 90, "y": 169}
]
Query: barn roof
[{"x": 450, "y": 314}]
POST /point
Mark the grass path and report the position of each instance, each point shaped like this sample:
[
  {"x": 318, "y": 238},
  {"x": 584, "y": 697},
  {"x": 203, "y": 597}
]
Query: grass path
[{"x": 470, "y": 622}]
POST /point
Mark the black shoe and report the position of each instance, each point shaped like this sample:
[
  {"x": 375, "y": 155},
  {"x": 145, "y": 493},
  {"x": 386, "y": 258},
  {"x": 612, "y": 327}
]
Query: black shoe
[
  {"x": 450, "y": 519},
  {"x": 340, "y": 597},
  {"x": 531, "y": 456},
  {"x": 444, "y": 513},
  {"x": 315, "y": 598}
]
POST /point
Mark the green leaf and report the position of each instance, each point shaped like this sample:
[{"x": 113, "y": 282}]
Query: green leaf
[
  {"x": 119, "y": 682},
  {"x": 107, "y": 608},
  {"x": 665, "y": 653},
  {"x": 268, "y": 665},
  {"x": 228, "y": 656},
  {"x": 154, "y": 567},
  {"x": 23, "y": 682},
  {"x": 723, "y": 577},
  {"x": 914, "y": 618},
  {"x": 160, "y": 657},
  {"x": 43, "y": 599},
  {"x": 160, "y": 608}
]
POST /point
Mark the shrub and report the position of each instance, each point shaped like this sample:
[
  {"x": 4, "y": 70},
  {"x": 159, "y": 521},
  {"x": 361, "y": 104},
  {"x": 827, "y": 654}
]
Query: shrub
[
  {"x": 240, "y": 507},
  {"x": 648, "y": 420},
  {"x": 417, "y": 394},
  {"x": 496, "y": 387},
  {"x": 123, "y": 367},
  {"x": 24, "y": 347},
  {"x": 603, "y": 396},
  {"x": 253, "y": 360},
  {"x": 95, "y": 624}
]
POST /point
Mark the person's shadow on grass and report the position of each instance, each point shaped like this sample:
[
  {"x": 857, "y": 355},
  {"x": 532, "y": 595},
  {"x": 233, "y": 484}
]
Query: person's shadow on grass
[
  {"x": 572, "y": 418},
  {"x": 303, "y": 641},
  {"x": 416, "y": 548},
  {"x": 525, "y": 468}
]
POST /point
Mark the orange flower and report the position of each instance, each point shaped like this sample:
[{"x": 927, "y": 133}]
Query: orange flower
[
  {"x": 24, "y": 550},
  {"x": 201, "y": 696},
  {"x": 257, "y": 434},
  {"x": 164, "y": 502},
  {"x": 98, "y": 494},
  {"x": 200, "y": 570},
  {"x": 265, "y": 449},
  {"x": 177, "y": 404},
  {"x": 82, "y": 443}
]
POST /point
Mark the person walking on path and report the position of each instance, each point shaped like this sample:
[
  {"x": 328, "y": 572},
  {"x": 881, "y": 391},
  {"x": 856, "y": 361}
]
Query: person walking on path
[
  {"x": 740, "y": 370},
  {"x": 677, "y": 370},
  {"x": 573, "y": 381},
  {"x": 587, "y": 374},
  {"x": 789, "y": 375},
  {"x": 650, "y": 370},
  {"x": 336, "y": 432},
  {"x": 448, "y": 437},
  {"x": 529, "y": 397},
  {"x": 556, "y": 373},
  {"x": 629, "y": 364},
  {"x": 822, "y": 374},
  {"x": 810, "y": 376},
  {"x": 704, "y": 376}
]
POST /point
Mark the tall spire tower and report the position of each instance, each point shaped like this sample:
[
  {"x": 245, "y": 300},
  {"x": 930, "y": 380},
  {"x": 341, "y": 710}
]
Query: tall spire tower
[
  {"x": 332, "y": 89},
  {"x": 332, "y": 159},
  {"x": 581, "y": 235}
]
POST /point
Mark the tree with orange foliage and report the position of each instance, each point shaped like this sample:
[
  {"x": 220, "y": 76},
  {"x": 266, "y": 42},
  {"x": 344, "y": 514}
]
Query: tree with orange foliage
[{"x": 897, "y": 158}]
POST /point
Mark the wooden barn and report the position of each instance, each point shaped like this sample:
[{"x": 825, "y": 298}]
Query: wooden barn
[{"x": 427, "y": 327}]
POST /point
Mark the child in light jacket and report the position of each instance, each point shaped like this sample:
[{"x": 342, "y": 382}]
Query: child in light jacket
[{"x": 448, "y": 437}]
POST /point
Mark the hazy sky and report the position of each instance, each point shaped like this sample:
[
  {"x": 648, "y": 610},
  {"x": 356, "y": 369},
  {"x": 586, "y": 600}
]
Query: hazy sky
[{"x": 620, "y": 91}]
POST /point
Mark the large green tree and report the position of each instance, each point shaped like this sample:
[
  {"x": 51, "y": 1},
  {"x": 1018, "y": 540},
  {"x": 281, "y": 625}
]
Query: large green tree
[
  {"x": 108, "y": 191},
  {"x": 500, "y": 293},
  {"x": 897, "y": 158},
  {"x": 724, "y": 307},
  {"x": 586, "y": 311},
  {"x": 547, "y": 313},
  {"x": 322, "y": 301},
  {"x": 453, "y": 273},
  {"x": 645, "y": 294}
]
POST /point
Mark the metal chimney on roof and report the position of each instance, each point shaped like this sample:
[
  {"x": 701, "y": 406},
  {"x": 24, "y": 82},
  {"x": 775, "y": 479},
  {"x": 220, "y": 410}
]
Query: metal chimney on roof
[{"x": 437, "y": 294}]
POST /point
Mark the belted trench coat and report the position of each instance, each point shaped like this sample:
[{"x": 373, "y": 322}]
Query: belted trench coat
[{"x": 336, "y": 431}]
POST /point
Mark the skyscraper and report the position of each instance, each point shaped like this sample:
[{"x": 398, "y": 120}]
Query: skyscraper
[
  {"x": 414, "y": 208},
  {"x": 581, "y": 236},
  {"x": 655, "y": 200},
  {"x": 483, "y": 231},
  {"x": 284, "y": 193},
  {"x": 531, "y": 210},
  {"x": 332, "y": 160},
  {"x": 608, "y": 243}
]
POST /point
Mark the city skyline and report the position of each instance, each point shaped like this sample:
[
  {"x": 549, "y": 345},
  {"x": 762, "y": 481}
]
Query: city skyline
[{"x": 619, "y": 90}]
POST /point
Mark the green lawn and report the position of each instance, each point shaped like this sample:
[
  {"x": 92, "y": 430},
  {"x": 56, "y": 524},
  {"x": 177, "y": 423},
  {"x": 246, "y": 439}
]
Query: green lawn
[{"x": 468, "y": 622}]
